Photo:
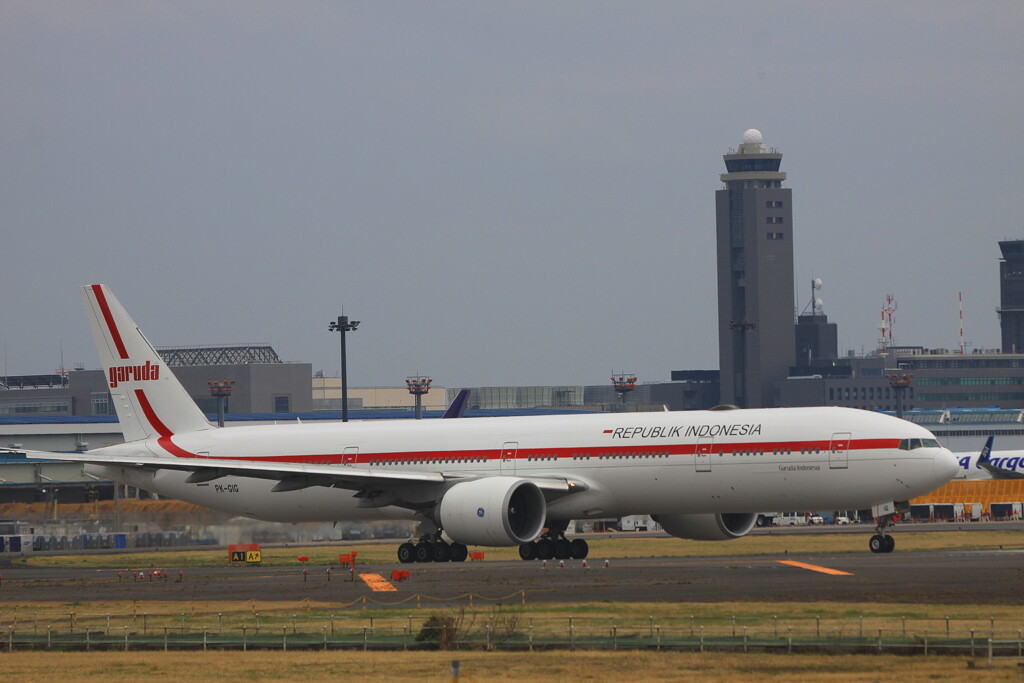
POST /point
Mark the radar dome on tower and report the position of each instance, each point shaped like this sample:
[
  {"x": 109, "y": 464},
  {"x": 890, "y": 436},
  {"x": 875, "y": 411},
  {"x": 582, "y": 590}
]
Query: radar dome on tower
[{"x": 753, "y": 142}]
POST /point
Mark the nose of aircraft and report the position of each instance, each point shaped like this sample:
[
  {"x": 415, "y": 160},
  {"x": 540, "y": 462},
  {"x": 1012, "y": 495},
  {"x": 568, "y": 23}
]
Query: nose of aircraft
[{"x": 945, "y": 465}]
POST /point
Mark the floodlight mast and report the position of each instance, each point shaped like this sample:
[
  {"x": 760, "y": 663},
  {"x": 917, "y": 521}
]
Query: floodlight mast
[
  {"x": 900, "y": 383},
  {"x": 221, "y": 390},
  {"x": 623, "y": 383},
  {"x": 343, "y": 325},
  {"x": 418, "y": 386}
]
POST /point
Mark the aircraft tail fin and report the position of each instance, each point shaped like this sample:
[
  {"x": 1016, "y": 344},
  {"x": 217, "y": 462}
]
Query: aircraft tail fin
[
  {"x": 986, "y": 451},
  {"x": 458, "y": 406},
  {"x": 149, "y": 399},
  {"x": 985, "y": 463}
]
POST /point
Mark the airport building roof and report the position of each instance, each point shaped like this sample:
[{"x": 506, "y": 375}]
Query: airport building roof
[{"x": 318, "y": 416}]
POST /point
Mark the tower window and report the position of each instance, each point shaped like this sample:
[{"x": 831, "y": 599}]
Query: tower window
[
  {"x": 773, "y": 205},
  {"x": 773, "y": 220},
  {"x": 776, "y": 235}
]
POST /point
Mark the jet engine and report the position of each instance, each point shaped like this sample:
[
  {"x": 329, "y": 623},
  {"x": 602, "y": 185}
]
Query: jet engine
[
  {"x": 717, "y": 527},
  {"x": 494, "y": 511}
]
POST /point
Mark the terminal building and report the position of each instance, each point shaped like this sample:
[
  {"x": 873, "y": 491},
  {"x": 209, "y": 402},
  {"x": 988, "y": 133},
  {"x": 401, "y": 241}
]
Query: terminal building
[{"x": 262, "y": 383}]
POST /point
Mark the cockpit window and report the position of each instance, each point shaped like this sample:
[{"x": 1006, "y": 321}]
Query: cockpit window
[{"x": 911, "y": 444}]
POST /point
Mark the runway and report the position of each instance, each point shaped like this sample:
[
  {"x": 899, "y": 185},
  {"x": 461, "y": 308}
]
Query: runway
[{"x": 955, "y": 577}]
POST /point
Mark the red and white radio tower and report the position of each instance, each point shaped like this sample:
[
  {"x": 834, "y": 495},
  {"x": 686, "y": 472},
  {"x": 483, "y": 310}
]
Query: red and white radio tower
[{"x": 885, "y": 327}]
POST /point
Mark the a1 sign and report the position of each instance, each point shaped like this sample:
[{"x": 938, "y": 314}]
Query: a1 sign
[{"x": 247, "y": 556}]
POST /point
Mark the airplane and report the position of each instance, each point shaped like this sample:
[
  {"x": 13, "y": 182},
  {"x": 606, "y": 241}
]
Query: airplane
[
  {"x": 981, "y": 465},
  {"x": 505, "y": 481}
]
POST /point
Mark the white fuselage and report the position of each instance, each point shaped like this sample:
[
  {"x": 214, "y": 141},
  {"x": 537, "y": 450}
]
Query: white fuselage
[{"x": 635, "y": 463}]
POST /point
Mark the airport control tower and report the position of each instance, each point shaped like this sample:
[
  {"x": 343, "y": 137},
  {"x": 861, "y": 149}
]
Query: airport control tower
[
  {"x": 1011, "y": 295},
  {"x": 756, "y": 339}
]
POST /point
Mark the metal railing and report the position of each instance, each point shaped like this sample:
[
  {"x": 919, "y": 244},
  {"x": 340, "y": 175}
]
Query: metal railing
[{"x": 504, "y": 628}]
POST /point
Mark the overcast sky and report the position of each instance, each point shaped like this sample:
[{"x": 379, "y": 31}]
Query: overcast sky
[{"x": 502, "y": 192}]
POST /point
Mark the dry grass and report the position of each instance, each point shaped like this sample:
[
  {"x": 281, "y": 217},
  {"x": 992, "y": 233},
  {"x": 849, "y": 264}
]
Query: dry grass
[
  {"x": 619, "y": 546},
  {"x": 622, "y": 610},
  {"x": 484, "y": 666}
]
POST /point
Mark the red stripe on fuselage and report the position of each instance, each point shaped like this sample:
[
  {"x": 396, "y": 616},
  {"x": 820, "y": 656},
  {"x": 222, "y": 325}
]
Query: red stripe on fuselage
[
  {"x": 101, "y": 299},
  {"x": 786, "y": 449},
  {"x": 161, "y": 429}
]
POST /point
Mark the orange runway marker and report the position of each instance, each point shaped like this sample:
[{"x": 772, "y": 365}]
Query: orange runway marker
[
  {"x": 377, "y": 583},
  {"x": 816, "y": 568}
]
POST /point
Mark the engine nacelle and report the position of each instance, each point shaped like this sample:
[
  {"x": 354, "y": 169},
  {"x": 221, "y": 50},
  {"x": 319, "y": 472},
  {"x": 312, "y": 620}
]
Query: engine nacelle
[
  {"x": 717, "y": 527},
  {"x": 495, "y": 511}
]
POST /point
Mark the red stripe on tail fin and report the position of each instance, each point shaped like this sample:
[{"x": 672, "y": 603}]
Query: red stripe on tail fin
[{"x": 101, "y": 299}]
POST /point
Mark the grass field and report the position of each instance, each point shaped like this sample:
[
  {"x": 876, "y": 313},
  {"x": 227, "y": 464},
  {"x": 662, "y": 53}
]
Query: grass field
[
  {"x": 600, "y": 548},
  {"x": 489, "y": 666}
]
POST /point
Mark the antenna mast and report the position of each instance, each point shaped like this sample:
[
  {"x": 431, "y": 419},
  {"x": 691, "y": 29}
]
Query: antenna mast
[
  {"x": 960, "y": 296},
  {"x": 885, "y": 327}
]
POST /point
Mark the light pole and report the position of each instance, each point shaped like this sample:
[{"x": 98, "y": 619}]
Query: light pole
[
  {"x": 343, "y": 325},
  {"x": 221, "y": 390},
  {"x": 900, "y": 382},
  {"x": 623, "y": 383},
  {"x": 418, "y": 386}
]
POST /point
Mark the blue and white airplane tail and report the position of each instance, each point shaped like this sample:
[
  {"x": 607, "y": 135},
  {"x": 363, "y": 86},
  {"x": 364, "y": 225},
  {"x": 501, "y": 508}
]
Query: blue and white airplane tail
[
  {"x": 985, "y": 463},
  {"x": 149, "y": 400}
]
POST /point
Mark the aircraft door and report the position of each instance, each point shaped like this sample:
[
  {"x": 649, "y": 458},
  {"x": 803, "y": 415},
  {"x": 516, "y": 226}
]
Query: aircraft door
[
  {"x": 350, "y": 455},
  {"x": 702, "y": 456},
  {"x": 838, "y": 451},
  {"x": 508, "y": 457}
]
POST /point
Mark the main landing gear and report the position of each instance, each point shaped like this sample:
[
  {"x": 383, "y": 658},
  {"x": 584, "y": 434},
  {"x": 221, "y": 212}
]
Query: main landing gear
[
  {"x": 882, "y": 542},
  {"x": 433, "y": 549},
  {"x": 553, "y": 545}
]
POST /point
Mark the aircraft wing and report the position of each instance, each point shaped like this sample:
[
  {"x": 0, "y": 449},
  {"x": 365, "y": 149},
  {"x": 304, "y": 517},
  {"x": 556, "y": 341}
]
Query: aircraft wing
[
  {"x": 293, "y": 476},
  {"x": 37, "y": 455}
]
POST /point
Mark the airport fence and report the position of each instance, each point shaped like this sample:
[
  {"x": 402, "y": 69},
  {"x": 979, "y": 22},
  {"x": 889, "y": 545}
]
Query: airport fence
[{"x": 502, "y": 628}]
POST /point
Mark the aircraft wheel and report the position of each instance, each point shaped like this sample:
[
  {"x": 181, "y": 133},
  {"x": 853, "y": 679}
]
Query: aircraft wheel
[
  {"x": 459, "y": 552},
  {"x": 562, "y": 549},
  {"x": 580, "y": 549},
  {"x": 890, "y": 544},
  {"x": 423, "y": 552},
  {"x": 877, "y": 543},
  {"x": 440, "y": 552},
  {"x": 406, "y": 553},
  {"x": 527, "y": 551},
  {"x": 545, "y": 549}
]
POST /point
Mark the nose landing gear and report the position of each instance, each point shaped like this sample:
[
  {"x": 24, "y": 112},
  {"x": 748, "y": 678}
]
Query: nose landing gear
[{"x": 882, "y": 542}]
